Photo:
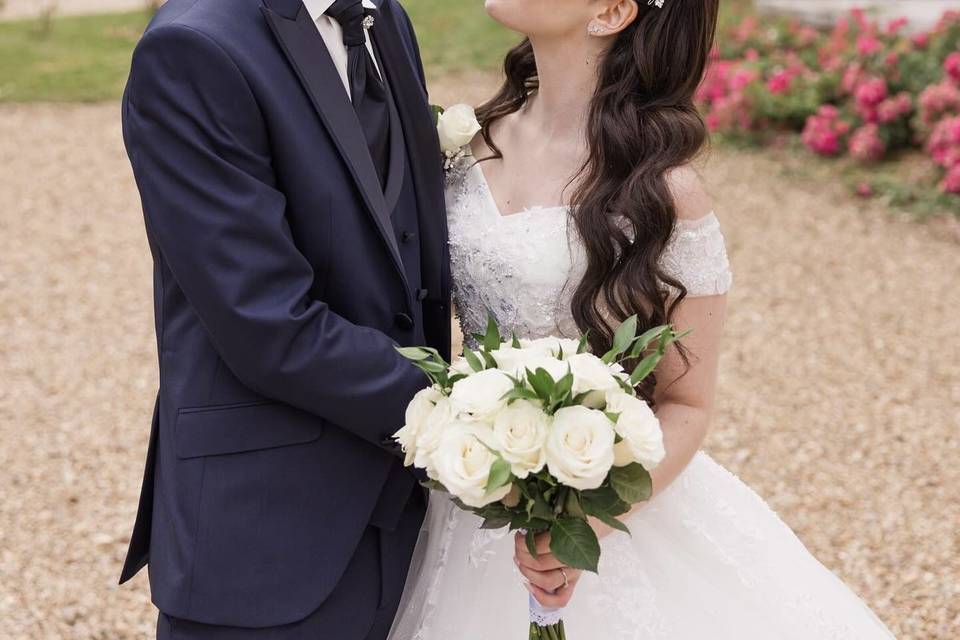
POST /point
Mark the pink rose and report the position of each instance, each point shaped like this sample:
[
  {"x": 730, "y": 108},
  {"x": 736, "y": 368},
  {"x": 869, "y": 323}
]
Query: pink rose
[
  {"x": 864, "y": 190},
  {"x": 871, "y": 92},
  {"x": 780, "y": 82},
  {"x": 897, "y": 25},
  {"x": 951, "y": 181},
  {"x": 952, "y": 66},
  {"x": 741, "y": 78},
  {"x": 895, "y": 108},
  {"x": 865, "y": 144},
  {"x": 823, "y": 131},
  {"x": 867, "y": 45}
]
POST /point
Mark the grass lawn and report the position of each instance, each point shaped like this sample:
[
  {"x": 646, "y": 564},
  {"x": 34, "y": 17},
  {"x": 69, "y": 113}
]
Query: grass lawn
[
  {"x": 72, "y": 59},
  {"x": 87, "y": 58}
]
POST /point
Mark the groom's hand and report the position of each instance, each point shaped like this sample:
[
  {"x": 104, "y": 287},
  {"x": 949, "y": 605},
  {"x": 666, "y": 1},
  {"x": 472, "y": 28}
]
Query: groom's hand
[{"x": 550, "y": 581}]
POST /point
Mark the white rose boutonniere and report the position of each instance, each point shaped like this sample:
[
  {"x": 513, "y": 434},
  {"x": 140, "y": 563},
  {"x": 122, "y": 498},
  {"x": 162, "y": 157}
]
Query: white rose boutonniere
[{"x": 456, "y": 127}]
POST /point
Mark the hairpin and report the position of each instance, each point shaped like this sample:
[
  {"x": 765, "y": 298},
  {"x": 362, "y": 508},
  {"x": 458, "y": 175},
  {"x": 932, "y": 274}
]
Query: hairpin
[{"x": 658, "y": 3}]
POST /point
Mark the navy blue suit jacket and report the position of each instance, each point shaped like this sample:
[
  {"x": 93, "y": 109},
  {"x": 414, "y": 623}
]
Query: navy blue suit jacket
[{"x": 280, "y": 297}]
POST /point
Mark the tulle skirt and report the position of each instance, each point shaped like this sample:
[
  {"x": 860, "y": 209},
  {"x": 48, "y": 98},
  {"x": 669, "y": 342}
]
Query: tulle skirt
[{"x": 707, "y": 559}]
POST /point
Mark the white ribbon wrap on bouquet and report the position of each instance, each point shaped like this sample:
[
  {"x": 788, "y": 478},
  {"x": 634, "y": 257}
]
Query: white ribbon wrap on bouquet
[{"x": 543, "y": 616}]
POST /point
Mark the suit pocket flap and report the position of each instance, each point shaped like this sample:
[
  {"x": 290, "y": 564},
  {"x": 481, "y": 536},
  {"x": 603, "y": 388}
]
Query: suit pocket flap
[{"x": 217, "y": 430}]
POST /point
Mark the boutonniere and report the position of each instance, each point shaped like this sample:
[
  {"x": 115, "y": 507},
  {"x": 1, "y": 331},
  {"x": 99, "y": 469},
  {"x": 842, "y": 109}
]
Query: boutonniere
[{"x": 456, "y": 127}]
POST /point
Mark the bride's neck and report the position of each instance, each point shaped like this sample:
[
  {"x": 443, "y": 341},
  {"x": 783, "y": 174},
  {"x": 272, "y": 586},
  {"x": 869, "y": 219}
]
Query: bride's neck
[{"x": 567, "y": 73}]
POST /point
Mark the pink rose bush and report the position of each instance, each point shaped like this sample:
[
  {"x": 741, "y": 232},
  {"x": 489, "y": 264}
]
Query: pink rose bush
[{"x": 861, "y": 89}]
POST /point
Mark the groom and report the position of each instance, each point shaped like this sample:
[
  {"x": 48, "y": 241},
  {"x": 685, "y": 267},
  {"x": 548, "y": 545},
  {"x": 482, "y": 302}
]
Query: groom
[{"x": 292, "y": 190}]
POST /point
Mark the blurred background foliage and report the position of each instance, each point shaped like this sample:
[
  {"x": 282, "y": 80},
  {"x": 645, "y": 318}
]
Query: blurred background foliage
[{"x": 768, "y": 86}]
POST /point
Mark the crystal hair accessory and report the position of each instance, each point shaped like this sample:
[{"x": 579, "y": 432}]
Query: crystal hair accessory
[{"x": 657, "y": 3}]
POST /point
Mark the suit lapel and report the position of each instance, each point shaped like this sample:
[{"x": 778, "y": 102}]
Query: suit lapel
[
  {"x": 308, "y": 55},
  {"x": 423, "y": 150}
]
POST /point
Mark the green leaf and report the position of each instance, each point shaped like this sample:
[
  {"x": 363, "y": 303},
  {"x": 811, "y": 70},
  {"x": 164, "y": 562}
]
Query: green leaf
[
  {"x": 621, "y": 339},
  {"x": 584, "y": 343},
  {"x": 625, "y": 334},
  {"x": 437, "y": 112},
  {"x": 488, "y": 360},
  {"x": 516, "y": 342},
  {"x": 563, "y": 387},
  {"x": 613, "y": 417},
  {"x": 643, "y": 342},
  {"x": 532, "y": 543},
  {"x": 573, "y": 507},
  {"x": 603, "y": 501},
  {"x": 542, "y": 382},
  {"x": 645, "y": 368},
  {"x": 500, "y": 475},
  {"x": 472, "y": 360},
  {"x": 431, "y": 366},
  {"x": 433, "y": 485},
  {"x": 496, "y": 522},
  {"x": 413, "y": 353},
  {"x": 632, "y": 483},
  {"x": 520, "y": 393},
  {"x": 574, "y": 543},
  {"x": 611, "y": 522},
  {"x": 624, "y": 385},
  {"x": 492, "y": 341}
]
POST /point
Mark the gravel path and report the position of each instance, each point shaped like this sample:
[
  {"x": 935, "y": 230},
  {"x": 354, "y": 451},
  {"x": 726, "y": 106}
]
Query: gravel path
[{"x": 839, "y": 397}]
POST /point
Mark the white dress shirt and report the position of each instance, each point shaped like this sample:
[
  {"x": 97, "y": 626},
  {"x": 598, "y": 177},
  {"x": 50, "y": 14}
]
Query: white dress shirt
[{"x": 332, "y": 34}]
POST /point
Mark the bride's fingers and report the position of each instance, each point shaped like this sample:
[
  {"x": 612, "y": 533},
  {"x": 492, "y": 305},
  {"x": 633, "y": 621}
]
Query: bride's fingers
[
  {"x": 542, "y": 542},
  {"x": 557, "y": 600},
  {"x": 545, "y": 561},
  {"x": 547, "y": 580}
]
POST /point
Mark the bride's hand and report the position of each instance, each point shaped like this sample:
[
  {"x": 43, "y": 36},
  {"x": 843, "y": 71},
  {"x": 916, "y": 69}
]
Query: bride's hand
[{"x": 550, "y": 582}]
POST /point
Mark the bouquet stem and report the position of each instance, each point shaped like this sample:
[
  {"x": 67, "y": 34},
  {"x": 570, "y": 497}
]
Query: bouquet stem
[{"x": 551, "y": 632}]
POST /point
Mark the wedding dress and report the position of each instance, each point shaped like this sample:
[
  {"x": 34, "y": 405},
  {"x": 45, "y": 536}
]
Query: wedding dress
[{"x": 707, "y": 557}]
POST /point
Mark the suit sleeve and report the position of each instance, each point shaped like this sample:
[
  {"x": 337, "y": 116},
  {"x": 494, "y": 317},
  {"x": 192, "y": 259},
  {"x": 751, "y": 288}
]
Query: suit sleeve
[{"x": 200, "y": 154}]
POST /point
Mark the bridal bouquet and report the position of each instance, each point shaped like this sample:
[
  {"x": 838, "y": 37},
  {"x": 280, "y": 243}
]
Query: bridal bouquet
[{"x": 540, "y": 435}]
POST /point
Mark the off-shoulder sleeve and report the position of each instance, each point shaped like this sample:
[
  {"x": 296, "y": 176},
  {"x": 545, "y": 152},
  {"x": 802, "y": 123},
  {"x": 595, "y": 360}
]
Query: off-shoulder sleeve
[{"x": 697, "y": 256}]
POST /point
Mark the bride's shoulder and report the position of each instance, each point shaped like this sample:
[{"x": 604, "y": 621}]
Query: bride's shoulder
[{"x": 690, "y": 196}]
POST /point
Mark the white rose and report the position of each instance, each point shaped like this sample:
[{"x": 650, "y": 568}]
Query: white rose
[
  {"x": 517, "y": 361},
  {"x": 580, "y": 447},
  {"x": 456, "y": 127},
  {"x": 640, "y": 429},
  {"x": 480, "y": 395},
  {"x": 419, "y": 409},
  {"x": 591, "y": 375},
  {"x": 519, "y": 434},
  {"x": 460, "y": 365},
  {"x": 429, "y": 434},
  {"x": 553, "y": 346},
  {"x": 463, "y": 461},
  {"x": 556, "y": 368}
]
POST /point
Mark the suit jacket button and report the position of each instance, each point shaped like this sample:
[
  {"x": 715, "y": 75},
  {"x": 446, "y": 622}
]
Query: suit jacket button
[
  {"x": 406, "y": 236},
  {"x": 403, "y": 321}
]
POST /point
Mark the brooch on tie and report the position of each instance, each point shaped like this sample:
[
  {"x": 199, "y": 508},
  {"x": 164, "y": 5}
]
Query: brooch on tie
[{"x": 368, "y": 22}]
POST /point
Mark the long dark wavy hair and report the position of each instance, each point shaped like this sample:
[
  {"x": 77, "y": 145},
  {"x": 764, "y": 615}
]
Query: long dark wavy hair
[{"x": 642, "y": 123}]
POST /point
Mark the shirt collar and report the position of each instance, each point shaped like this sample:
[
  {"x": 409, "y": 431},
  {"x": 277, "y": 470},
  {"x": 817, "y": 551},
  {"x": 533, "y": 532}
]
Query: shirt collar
[{"x": 317, "y": 8}]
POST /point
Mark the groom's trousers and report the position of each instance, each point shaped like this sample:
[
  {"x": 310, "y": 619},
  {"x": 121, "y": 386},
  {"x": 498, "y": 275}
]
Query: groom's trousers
[{"x": 363, "y": 605}]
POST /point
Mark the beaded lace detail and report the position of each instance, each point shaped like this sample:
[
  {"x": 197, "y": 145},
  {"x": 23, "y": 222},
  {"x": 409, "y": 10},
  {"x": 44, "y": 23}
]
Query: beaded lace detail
[{"x": 523, "y": 267}]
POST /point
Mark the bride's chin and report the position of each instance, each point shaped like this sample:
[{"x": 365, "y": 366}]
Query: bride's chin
[{"x": 501, "y": 11}]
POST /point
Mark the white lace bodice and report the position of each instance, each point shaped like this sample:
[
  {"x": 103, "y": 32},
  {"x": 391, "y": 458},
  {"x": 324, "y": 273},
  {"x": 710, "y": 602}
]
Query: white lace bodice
[{"x": 523, "y": 267}]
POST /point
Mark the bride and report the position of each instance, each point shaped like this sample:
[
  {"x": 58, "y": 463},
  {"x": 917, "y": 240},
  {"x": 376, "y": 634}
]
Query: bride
[{"x": 578, "y": 209}]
